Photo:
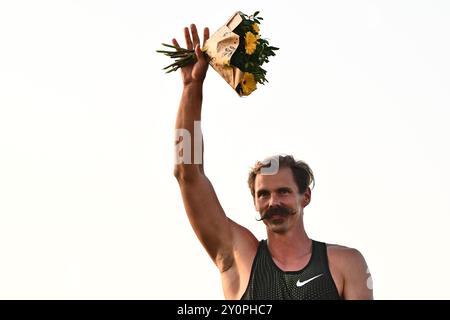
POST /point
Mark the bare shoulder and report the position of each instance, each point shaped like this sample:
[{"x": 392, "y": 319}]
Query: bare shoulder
[
  {"x": 242, "y": 234},
  {"x": 342, "y": 256},
  {"x": 245, "y": 245},
  {"x": 350, "y": 268}
]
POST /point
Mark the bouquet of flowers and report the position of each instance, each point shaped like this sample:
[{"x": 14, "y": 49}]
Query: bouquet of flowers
[{"x": 236, "y": 51}]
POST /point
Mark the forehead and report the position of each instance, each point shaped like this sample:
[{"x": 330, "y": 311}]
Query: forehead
[{"x": 283, "y": 178}]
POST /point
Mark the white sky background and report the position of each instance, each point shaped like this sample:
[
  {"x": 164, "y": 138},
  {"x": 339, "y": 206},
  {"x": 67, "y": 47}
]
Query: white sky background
[{"x": 89, "y": 208}]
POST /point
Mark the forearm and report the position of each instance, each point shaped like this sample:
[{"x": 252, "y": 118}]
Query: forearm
[{"x": 189, "y": 141}]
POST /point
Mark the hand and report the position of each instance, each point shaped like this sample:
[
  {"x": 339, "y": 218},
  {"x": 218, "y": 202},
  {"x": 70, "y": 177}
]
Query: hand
[{"x": 194, "y": 73}]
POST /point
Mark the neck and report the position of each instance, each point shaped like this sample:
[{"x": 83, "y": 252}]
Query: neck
[{"x": 290, "y": 246}]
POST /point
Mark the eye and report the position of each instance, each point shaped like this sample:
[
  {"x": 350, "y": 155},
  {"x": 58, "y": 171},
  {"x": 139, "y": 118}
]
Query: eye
[{"x": 262, "y": 194}]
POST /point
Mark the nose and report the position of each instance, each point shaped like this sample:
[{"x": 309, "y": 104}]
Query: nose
[{"x": 274, "y": 201}]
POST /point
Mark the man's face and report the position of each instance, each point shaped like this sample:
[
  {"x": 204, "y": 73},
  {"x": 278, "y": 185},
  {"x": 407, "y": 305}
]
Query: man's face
[{"x": 278, "y": 201}]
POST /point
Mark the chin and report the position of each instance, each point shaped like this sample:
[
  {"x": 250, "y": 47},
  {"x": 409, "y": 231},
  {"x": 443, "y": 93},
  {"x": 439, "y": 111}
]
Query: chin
[{"x": 279, "y": 228}]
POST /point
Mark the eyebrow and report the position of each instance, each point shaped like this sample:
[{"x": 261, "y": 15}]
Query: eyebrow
[{"x": 260, "y": 191}]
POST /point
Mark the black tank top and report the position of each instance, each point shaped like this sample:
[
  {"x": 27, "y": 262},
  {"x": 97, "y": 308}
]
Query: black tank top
[{"x": 313, "y": 282}]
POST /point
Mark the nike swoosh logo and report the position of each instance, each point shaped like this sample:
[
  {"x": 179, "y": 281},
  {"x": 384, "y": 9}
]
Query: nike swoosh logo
[{"x": 301, "y": 284}]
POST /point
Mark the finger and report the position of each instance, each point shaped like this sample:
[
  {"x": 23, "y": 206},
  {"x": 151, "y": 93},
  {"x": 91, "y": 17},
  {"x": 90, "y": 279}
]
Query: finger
[
  {"x": 199, "y": 53},
  {"x": 175, "y": 43},
  {"x": 205, "y": 35},
  {"x": 194, "y": 35},
  {"x": 187, "y": 36}
]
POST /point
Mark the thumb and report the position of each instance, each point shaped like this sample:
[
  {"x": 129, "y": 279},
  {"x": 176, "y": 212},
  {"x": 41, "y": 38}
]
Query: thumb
[{"x": 199, "y": 53}]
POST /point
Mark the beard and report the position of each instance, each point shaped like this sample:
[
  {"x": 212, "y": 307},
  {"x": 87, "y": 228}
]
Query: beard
[{"x": 278, "y": 210}]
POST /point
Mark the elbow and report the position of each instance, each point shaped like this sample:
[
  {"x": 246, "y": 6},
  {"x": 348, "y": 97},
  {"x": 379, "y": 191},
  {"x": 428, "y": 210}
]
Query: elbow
[
  {"x": 176, "y": 173},
  {"x": 186, "y": 174}
]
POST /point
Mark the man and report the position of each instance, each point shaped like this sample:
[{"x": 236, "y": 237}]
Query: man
[{"x": 289, "y": 265}]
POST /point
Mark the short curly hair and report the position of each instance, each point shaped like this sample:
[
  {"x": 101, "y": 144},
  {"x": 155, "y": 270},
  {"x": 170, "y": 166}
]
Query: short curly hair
[{"x": 303, "y": 175}]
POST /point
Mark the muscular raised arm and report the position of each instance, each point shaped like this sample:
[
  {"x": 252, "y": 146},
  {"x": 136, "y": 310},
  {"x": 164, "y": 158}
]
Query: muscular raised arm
[{"x": 220, "y": 236}]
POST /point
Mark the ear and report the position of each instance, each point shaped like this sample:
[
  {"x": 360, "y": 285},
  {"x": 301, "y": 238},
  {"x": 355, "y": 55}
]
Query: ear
[{"x": 306, "y": 197}]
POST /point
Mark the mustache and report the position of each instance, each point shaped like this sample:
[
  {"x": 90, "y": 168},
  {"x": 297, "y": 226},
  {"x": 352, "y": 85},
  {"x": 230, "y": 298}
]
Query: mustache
[{"x": 279, "y": 210}]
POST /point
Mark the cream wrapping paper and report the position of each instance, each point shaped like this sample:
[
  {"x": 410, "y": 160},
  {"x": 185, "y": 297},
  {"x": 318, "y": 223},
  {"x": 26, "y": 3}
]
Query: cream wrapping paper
[{"x": 221, "y": 46}]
